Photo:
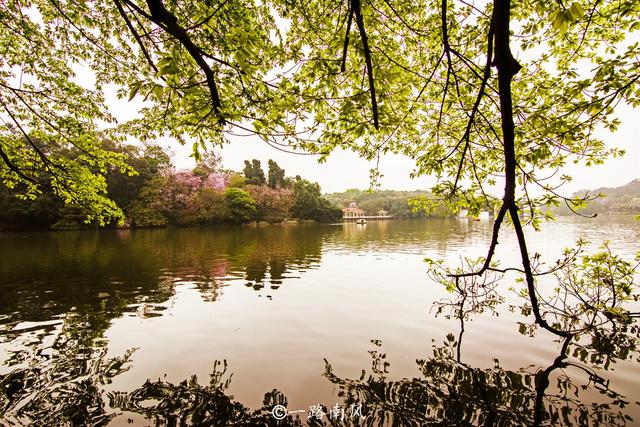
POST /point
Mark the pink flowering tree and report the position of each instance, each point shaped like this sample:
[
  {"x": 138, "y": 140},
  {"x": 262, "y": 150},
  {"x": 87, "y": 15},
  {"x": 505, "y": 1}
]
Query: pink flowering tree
[
  {"x": 180, "y": 188},
  {"x": 217, "y": 181},
  {"x": 273, "y": 204}
]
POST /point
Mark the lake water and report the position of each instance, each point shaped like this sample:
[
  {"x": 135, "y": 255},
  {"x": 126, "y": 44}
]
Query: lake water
[{"x": 105, "y": 327}]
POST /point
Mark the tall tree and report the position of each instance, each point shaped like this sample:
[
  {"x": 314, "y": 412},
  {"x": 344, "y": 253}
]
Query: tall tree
[
  {"x": 253, "y": 172},
  {"x": 308, "y": 203},
  {"x": 276, "y": 175}
]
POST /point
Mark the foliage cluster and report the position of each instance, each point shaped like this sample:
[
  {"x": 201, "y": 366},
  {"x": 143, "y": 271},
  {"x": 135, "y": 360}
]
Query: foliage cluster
[
  {"x": 418, "y": 79},
  {"x": 158, "y": 195}
]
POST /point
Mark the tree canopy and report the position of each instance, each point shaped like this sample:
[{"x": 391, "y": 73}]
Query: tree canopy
[
  {"x": 374, "y": 77},
  {"x": 479, "y": 95},
  {"x": 276, "y": 175},
  {"x": 253, "y": 172}
]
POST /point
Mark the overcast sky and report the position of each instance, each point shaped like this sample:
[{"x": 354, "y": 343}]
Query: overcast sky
[{"x": 345, "y": 169}]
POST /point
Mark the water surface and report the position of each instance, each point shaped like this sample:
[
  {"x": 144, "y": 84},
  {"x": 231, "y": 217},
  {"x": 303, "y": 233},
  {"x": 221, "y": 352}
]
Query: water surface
[{"x": 100, "y": 327}]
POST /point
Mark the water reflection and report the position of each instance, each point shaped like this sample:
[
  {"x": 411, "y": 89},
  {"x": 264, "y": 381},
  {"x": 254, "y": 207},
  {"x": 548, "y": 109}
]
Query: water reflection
[
  {"x": 60, "y": 384},
  {"x": 107, "y": 272},
  {"x": 406, "y": 236},
  {"x": 570, "y": 391},
  {"x": 450, "y": 392},
  {"x": 76, "y": 306},
  {"x": 62, "y": 293},
  {"x": 189, "y": 403},
  {"x": 64, "y": 387}
]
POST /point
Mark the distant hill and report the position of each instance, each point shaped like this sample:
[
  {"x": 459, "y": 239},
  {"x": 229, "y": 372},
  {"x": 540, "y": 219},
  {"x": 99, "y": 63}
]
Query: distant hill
[
  {"x": 623, "y": 199},
  {"x": 630, "y": 189}
]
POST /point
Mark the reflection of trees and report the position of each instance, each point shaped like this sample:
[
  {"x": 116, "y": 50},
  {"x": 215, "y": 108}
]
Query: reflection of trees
[
  {"x": 472, "y": 295},
  {"x": 46, "y": 275},
  {"x": 84, "y": 280},
  {"x": 189, "y": 403},
  {"x": 451, "y": 392},
  {"x": 60, "y": 386},
  {"x": 448, "y": 392},
  {"x": 49, "y": 274},
  {"x": 260, "y": 255},
  {"x": 65, "y": 388},
  {"x": 276, "y": 253}
]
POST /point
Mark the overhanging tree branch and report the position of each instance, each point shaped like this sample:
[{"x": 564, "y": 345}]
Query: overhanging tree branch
[
  {"x": 7, "y": 161},
  {"x": 357, "y": 9},
  {"x": 135, "y": 35},
  {"x": 346, "y": 40},
  {"x": 476, "y": 105},
  {"x": 507, "y": 67},
  {"x": 167, "y": 21}
]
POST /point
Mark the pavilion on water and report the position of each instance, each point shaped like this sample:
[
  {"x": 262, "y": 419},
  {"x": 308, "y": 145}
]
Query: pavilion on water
[{"x": 353, "y": 211}]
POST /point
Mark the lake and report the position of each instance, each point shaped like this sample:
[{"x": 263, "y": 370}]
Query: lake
[{"x": 218, "y": 325}]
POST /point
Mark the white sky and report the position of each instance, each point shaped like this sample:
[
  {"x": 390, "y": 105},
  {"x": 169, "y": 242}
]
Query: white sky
[{"x": 345, "y": 169}]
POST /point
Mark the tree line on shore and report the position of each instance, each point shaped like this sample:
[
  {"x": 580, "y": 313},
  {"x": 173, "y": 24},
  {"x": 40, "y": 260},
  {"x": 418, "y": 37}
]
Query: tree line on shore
[
  {"x": 395, "y": 202},
  {"x": 158, "y": 195},
  {"x": 151, "y": 192}
]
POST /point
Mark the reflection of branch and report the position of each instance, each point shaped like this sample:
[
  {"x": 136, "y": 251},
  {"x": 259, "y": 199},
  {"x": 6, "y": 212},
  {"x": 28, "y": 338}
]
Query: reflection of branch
[
  {"x": 452, "y": 393},
  {"x": 542, "y": 381},
  {"x": 474, "y": 294},
  {"x": 191, "y": 403},
  {"x": 62, "y": 388}
]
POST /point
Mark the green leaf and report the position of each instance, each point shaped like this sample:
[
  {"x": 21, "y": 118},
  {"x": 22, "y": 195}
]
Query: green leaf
[
  {"x": 134, "y": 90},
  {"x": 576, "y": 11}
]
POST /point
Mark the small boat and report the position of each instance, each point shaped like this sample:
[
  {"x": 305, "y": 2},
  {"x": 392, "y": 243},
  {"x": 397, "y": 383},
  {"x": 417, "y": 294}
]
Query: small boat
[{"x": 361, "y": 221}]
